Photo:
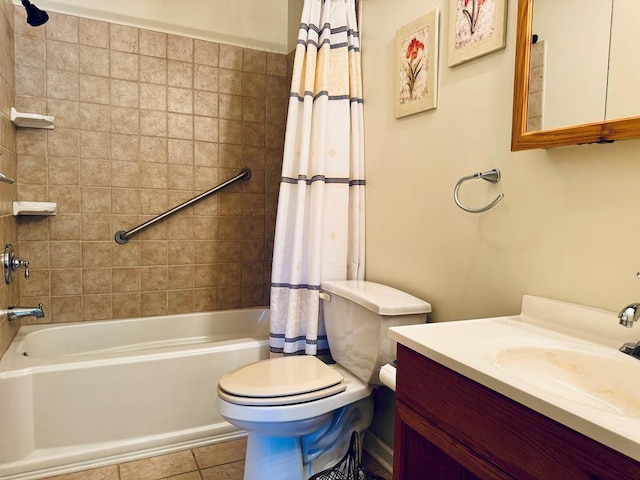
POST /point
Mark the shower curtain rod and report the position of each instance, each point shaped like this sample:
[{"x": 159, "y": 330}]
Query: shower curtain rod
[{"x": 123, "y": 237}]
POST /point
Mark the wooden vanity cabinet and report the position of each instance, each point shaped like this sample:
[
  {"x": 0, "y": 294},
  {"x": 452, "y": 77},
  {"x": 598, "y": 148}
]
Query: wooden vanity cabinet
[{"x": 449, "y": 427}]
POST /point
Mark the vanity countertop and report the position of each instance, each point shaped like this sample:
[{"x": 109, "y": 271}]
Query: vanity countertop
[{"x": 557, "y": 358}]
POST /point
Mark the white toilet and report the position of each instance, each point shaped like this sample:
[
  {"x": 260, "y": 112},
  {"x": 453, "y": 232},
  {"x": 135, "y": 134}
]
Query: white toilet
[{"x": 298, "y": 411}]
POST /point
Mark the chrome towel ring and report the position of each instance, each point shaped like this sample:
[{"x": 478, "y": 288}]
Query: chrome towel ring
[{"x": 492, "y": 176}]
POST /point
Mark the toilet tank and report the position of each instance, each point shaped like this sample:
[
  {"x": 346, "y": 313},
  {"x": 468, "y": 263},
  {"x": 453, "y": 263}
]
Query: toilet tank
[{"x": 357, "y": 315}]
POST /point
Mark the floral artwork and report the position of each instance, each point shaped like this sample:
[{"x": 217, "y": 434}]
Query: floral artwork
[
  {"x": 416, "y": 48},
  {"x": 476, "y": 28}
]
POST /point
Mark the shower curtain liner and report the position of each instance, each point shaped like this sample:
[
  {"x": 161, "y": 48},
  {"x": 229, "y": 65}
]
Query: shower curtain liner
[{"x": 320, "y": 220}]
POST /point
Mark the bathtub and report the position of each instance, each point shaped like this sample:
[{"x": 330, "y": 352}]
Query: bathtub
[{"x": 83, "y": 395}]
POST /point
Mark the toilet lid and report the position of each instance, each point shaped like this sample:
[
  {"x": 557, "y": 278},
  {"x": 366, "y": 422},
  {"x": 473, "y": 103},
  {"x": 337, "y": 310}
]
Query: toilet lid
[{"x": 281, "y": 381}]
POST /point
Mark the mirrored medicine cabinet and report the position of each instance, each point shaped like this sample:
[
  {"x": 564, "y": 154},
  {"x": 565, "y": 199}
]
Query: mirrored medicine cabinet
[{"x": 576, "y": 73}]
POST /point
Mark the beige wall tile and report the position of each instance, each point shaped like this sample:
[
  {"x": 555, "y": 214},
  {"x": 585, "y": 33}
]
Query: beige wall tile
[
  {"x": 153, "y": 123},
  {"x": 153, "y": 303},
  {"x": 205, "y": 78},
  {"x": 62, "y": 27},
  {"x": 95, "y": 227},
  {"x": 254, "y": 61},
  {"x": 66, "y": 309},
  {"x": 230, "y": 57},
  {"x": 93, "y": 33},
  {"x": 66, "y": 282},
  {"x": 124, "y": 93},
  {"x": 95, "y": 117},
  {"x": 153, "y": 43},
  {"x": 96, "y": 307},
  {"x": 180, "y": 301},
  {"x": 206, "y": 154},
  {"x": 153, "y": 70},
  {"x": 66, "y": 113},
  {"x": 180, "y": 74},
  {"x": 65, "y": 254},
  {"x": 123, "y": 38},
  {"x": 126, "y": 305},
  {"x": 96, "y": 280},
  {"x": 153, "y": 96},
  {"x": 124, "y": 65},
  {"x": 125, "y": 147},
  {"x": 94, "y": 89},
  {"x": 206, "y": 53},
  {"x": 62, "y": 56},
  {"x": 30, "y": 50},
  {"x": 230, "y": 81},
  {"x": 180, "y": 100},
  {"x": 137, "y": 132},
  {"x": 180, "y": 48}
]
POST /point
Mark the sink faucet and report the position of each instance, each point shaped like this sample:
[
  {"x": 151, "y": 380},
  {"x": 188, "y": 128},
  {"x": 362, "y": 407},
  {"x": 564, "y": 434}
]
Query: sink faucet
[
  {"x": 17, "y": 312},
  {"x": 627, "y": 317}
]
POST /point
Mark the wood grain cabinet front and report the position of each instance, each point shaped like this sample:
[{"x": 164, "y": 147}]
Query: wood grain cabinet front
[{"x": 449, "y": 427}]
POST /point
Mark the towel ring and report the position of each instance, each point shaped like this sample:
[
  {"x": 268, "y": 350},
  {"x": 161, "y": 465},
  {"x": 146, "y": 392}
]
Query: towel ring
[{"x": 492, "y": 176}]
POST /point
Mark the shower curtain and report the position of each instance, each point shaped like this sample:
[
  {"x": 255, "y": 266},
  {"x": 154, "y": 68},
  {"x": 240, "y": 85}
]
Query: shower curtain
[{"x": 320, "y": 219}]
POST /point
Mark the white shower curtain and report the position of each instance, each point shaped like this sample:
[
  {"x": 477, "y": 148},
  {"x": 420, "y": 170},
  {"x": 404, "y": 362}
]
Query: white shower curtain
[{"x": 320, "y": 220}]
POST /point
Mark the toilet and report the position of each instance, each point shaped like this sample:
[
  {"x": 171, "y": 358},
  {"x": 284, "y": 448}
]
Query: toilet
[{"x": 298, "y": 411}]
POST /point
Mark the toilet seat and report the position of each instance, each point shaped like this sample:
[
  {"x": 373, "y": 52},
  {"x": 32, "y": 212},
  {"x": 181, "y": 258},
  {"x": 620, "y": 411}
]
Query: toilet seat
[{"x": 281, "y": 381}]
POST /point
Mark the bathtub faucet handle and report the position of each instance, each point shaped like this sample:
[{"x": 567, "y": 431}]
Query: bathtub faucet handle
[{"x": 11, "y": 263}]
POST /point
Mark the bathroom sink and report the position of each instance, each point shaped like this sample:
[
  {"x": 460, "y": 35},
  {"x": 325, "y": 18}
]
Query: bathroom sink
[
  {"x": 556, "y": 358},
  {"x": 596, "y": 380}
]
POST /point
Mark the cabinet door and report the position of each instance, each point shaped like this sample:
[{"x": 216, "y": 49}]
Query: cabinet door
[{"x": 423, "y": 451}]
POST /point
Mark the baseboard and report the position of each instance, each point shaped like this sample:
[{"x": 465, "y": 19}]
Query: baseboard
[{"x": 379, "y": 450}]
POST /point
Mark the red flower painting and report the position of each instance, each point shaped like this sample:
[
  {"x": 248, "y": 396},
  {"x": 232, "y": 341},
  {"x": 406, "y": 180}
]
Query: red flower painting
[
  {"x": 414, "y": 67},
  {"x": 473, "y": 14}
]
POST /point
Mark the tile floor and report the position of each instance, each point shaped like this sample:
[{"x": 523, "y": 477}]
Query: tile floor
[{"x": 222, "y": 461}]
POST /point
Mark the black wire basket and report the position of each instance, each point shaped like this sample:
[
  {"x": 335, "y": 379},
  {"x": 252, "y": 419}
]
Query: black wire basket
[{"x": 349, "y": 468}]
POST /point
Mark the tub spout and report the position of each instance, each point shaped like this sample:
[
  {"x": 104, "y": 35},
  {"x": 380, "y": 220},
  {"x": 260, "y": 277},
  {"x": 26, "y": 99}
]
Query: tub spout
[{"x": 17, "y": 312}]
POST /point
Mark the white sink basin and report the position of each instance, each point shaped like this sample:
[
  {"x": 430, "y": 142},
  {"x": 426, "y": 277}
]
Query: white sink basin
[
  {"x": 592, "y": 379},
  {"x": 559, "y": 359}
]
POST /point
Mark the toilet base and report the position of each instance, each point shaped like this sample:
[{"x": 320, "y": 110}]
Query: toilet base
[{"x": 300, "y": 456}]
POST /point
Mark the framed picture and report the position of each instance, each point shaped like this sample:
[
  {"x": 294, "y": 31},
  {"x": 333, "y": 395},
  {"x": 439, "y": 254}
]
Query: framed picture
[
  {"x": 417, "y": 65},
  {"x": 476, "y": 27}
]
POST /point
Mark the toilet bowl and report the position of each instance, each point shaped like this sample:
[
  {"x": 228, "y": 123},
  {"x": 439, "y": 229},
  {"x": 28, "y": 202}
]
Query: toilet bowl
[{"x": 298, "y": 411}]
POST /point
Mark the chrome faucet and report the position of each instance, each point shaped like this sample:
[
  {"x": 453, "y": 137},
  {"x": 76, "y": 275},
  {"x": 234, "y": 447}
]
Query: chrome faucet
[
  {"x": 18, "y": 312},
  {"x": 627, "y": 317}
]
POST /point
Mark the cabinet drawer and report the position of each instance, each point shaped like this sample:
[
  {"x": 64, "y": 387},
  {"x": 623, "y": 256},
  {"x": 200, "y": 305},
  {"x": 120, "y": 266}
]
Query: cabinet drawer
[{"x": 514, "y": 438}]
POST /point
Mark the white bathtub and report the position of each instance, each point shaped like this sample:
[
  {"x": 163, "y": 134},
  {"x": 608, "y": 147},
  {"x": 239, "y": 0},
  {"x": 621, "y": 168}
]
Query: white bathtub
[{"x": 82, "y": 395}]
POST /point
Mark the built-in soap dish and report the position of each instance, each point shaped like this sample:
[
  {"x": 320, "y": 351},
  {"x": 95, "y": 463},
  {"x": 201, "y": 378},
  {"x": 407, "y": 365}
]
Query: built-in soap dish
[
  {"x": 34, "y": 208},
  {"x": 31, "y": 120}
]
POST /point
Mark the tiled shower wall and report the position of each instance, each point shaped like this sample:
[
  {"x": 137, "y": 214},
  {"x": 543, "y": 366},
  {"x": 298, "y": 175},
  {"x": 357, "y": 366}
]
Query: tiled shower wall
[
  {"x": 9, "y": 294},
  {"x": 144, "y": 121}
]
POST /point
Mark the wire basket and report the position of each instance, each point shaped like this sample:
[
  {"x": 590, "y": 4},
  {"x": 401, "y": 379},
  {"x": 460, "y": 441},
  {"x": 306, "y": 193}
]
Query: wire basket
[{"x": 349, "y": 467}]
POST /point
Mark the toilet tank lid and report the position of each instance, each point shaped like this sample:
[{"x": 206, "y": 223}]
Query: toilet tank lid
[{"x": 378, "y": 298}]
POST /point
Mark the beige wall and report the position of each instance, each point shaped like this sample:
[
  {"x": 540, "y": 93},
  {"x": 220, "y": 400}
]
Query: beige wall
[
  {"x": 567, "y": 227},
  {"x": 145, "y": 121},
  {"x": 9, "y": 294}
]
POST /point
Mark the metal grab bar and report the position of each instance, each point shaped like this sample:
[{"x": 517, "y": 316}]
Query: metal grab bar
[
  {"x": 492, "y": 176},
  {"x": 5, "y": 179},
  {"x": 123, "y": 237}
]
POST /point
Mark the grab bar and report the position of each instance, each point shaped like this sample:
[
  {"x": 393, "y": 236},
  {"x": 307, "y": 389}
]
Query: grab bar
[
  {"x": 123, "y": 237},
  {"x": 492, "y": 176},
  {"x": 5, "y": 179}
]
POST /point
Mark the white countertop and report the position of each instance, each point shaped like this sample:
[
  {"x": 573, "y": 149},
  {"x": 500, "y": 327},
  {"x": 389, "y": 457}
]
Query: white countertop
[{"x": 496, "y": 352}]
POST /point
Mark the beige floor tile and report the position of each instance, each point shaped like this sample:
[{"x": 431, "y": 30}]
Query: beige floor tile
[
  {"x": 229, "y": 471},
  {"x": 158, "y": 467},
  {"x": 220, "y": 453},
  {"x": 104, "y": 473},
  {"x": 186, "y": 476}
]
